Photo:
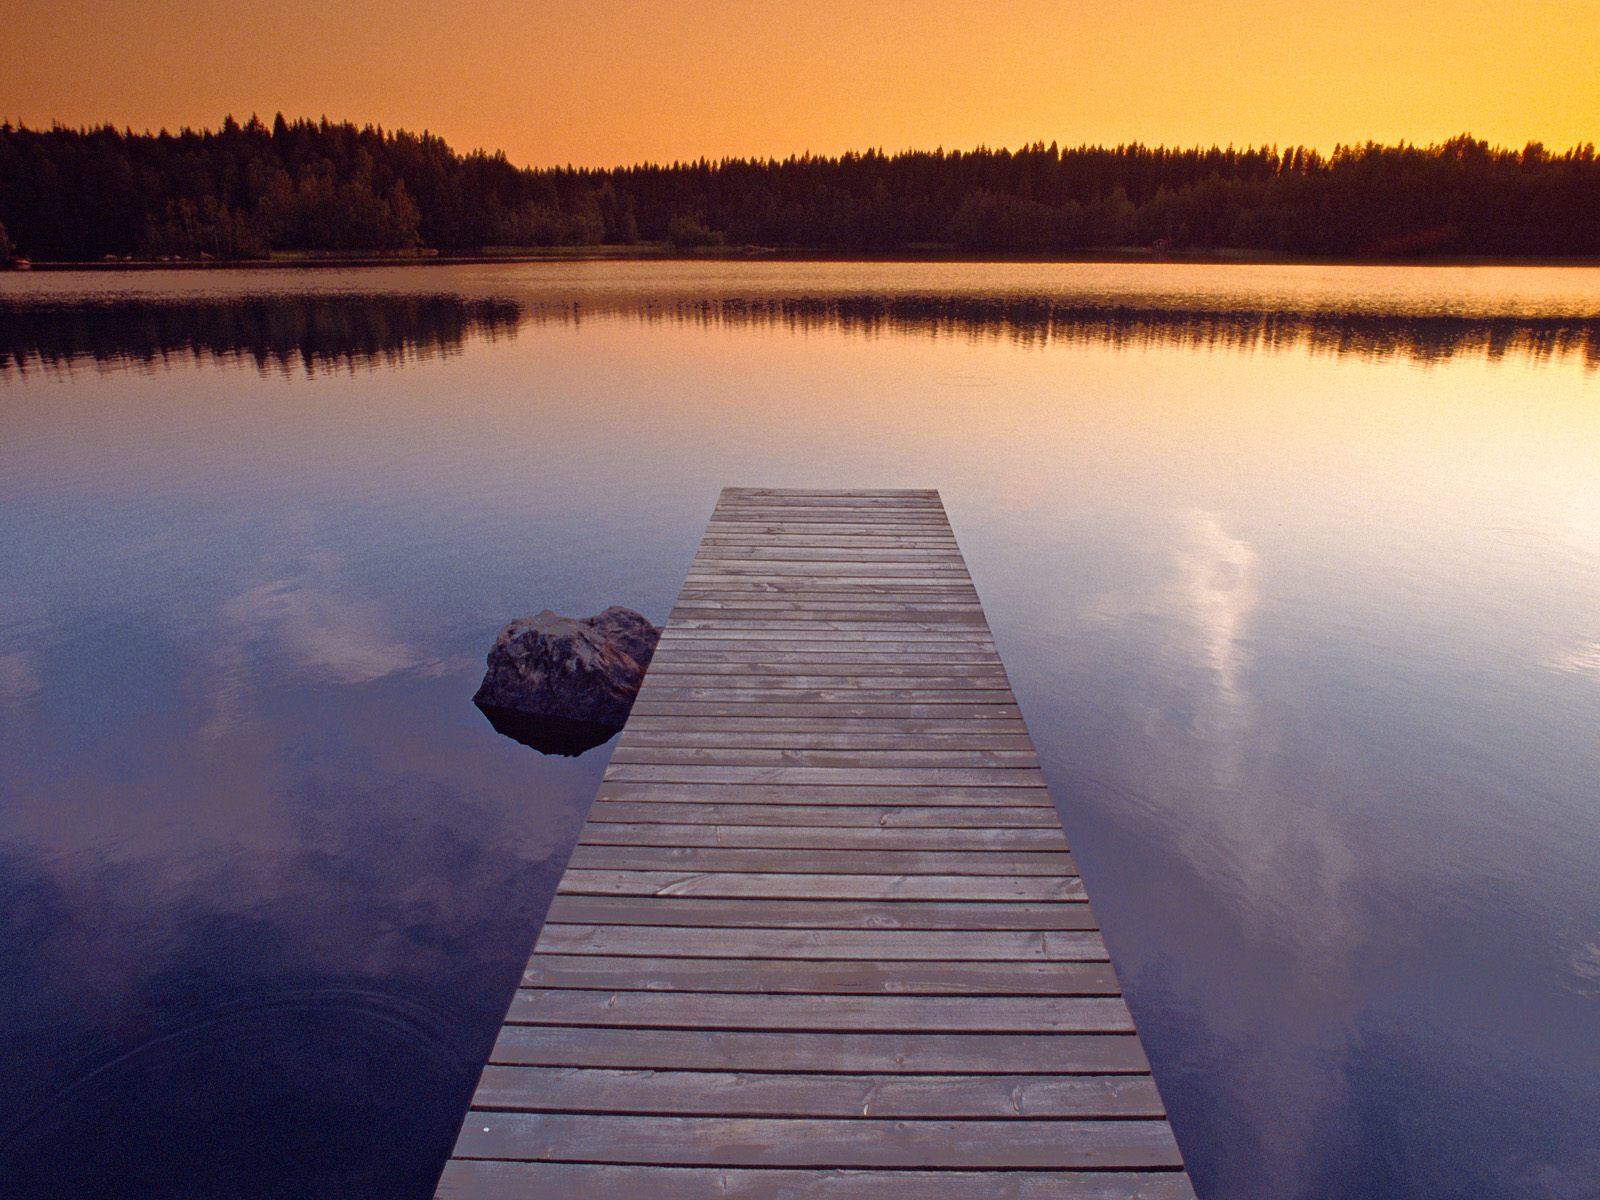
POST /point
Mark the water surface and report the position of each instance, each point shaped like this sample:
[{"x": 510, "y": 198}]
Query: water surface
[{"x": 1296, "y": 571}]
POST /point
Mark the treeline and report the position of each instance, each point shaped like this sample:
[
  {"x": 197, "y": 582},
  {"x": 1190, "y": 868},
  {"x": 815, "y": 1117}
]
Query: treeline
[{"x": 242, "y": 191}]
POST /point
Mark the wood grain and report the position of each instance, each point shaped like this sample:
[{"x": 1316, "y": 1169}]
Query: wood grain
[{"x": 490, "y": 1179}]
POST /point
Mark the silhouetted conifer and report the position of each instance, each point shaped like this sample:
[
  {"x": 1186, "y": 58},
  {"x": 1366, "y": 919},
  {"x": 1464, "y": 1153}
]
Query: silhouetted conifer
[{"x": 244, "y": 190}]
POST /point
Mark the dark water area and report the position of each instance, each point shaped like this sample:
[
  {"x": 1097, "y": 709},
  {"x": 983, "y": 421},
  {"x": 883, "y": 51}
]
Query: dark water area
[{"x": 1296, "y": 571}]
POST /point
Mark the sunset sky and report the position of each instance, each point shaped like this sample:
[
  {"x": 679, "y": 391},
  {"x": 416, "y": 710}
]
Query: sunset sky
[{"x": 607, "y": 83}]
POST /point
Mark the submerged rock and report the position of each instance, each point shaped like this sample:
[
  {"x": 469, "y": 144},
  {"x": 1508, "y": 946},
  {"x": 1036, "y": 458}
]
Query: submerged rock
[
  {"x": 573, "y": 678},
  {"x": 549, "y": 735}
]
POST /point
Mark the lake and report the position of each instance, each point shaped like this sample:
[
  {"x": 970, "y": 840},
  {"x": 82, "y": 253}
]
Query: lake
[{"x": 1296, "y": 571}]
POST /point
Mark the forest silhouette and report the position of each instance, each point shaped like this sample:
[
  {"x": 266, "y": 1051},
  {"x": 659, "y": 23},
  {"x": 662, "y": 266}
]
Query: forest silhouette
[{"x": 247, "y": 190}]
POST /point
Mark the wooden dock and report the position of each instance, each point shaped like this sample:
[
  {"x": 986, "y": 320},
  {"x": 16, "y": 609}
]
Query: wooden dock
[{"x": 822, "y": 935}]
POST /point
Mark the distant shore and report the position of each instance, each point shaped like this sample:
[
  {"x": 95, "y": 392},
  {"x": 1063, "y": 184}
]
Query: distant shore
[{"x": 661, "y": 251}]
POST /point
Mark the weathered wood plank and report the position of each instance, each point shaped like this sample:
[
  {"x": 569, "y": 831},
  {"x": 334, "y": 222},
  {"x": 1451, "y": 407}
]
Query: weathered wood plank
[
  {"x": 830, "y": 499},
  {"x": 861, "y": 615},
  {"x": 888, "y": 505},
  {"x": 739, "y": 607},
  {"x": 738, "y": 492},
  {"x": 821, "y": 837},
  {"x": 939, "y": 591},
  {"x": 722, "y": 599},
  {"x": 790, "y": 732},
  {"x": 866, "y": 776},
  {"x": 725, "y": 1093},
  {"x": 710, "y": 631},
  {"x": 931, "y": 689},
  {"x": 814, "y": 740},
  {"x": 782, "y": 654},
  {"x": 877, "y": 575},
  {"x": 881, "y": 945},
  {"x": 756, "y": 1141},
  {"x": 971, "y": 727},
  {"x": 846, "y": 524},
  {"x": 724, "y": 625},
  {"x": 772, "y": 577},
  {"x": 850, "y": 700},
  {"x": 716, "y": 553},
  {"x": 811, "y": 541},
  {"x": 943, "y": 597},
  {"x": 874, "y": 758},
  {"x": 869, "y": 686},
  {"x": 783, "y": 571},
  {"x": 858, "y": 816},
  {"x": 488, "y": 1179},
  {"x": 875, "y": 512},
  {"x": 843, "y": 525},
  {"x": 833, "y": 710},
  {"x": 780, "y": 659},
  {"x": 889, "y": 1053},
  {"x": 805, "y": 862},
  {"x": 688, "y": 912},
  {"x": 911, "y": 977},
  {"x": 818, "y": 794},
  {"x": 886, "y": 776},
  {"x": 691, "y": 666},
  {"x": 687, "y": 745},
  {"x": 812, "y": 1013},
  {"x": 898, "y": 522},
  {"x": 924, "y": 497},
  {"x": 711, "y": 561},
  {"x": 803, "y": 514},
  {"x": 823, "y": 887},
  {"x": 828, "y": 496}
]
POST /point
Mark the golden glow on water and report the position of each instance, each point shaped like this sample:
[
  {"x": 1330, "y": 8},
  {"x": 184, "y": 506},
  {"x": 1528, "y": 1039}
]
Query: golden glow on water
[{"x": 662, "y": 79}]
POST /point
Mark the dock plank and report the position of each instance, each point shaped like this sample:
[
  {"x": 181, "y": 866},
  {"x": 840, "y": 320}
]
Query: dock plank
[
  {"x": 826, "y": 837},
  {"x": 822, "y": 934},
  {"x": 491, "y": 1179},
  {"x": 878, "y": 944},
  {"x": 714, "y": 1093},
  {"x": 891, "y": 1053},
  {"x": 822, "y": 862},
  {"x": 860, "y": 1014},
  {"x": 819, "y": 1142},
  {"x": 826, "y": 977},
  {"x": 773, "y": 886},
  {"x": 885, "y": 816},
  {"x": 688, "y": 912}
]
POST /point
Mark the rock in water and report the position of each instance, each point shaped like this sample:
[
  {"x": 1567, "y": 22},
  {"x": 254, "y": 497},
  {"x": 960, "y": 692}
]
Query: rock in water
[{"x": 574, "y": 672}]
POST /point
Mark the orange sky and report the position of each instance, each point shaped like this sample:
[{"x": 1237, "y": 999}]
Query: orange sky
[{"x": 601, "y": 83}]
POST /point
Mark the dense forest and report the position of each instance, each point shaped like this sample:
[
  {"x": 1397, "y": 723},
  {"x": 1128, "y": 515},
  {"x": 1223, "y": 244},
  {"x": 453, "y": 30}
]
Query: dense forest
[{"x": 246, "y": 190}]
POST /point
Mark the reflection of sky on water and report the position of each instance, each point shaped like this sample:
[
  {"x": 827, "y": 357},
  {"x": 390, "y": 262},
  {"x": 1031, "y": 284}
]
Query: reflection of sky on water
[
  {"x": 302, "y": 921},
  {"x": 1307, "y": 642}
]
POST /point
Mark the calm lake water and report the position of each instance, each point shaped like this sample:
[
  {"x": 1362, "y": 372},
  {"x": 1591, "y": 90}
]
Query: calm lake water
[{"x": 1296, "y": 571}]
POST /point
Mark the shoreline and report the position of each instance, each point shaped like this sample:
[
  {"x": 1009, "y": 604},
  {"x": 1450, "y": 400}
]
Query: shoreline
[{"x": 656, "y": 252}]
